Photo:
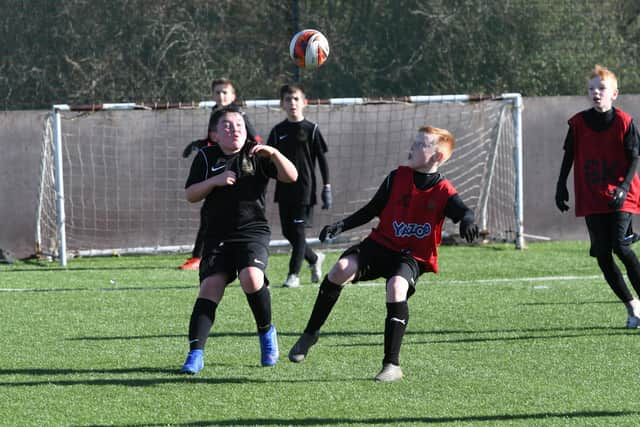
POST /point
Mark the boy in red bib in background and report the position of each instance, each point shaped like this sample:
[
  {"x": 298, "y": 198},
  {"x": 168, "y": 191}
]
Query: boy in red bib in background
[
  {"x": 411, "y": 203},
  {"x": 603, "y": 143}
]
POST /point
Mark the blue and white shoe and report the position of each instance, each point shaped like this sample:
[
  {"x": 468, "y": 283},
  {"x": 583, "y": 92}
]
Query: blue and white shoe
[
  {"x": 633, "y": 322},
  {"x": 194, "y": 362},
  {"x": 269, "y": 352}
]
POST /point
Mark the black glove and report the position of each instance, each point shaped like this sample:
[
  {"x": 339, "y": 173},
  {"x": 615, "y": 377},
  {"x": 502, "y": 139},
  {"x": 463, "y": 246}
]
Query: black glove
[
  {"x": 327, "y": 199},
  {"x": 469, "y": 231},
  {"x": 618, "y": 196},
  {"x": 331, "y": 231},
  {"x": 562, "y": 196}
]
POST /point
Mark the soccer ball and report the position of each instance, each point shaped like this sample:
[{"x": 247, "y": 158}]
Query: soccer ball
[{"x": 309, "y": 49}]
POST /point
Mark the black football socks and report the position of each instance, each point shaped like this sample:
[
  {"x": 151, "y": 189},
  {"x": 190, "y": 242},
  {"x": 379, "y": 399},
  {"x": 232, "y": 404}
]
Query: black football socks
[
  {"x": 394, "y": 327},
  {"x": 202, "y": 318},
  {"x": 260, "y": 303},
  {"x": 327, "y": 296}
]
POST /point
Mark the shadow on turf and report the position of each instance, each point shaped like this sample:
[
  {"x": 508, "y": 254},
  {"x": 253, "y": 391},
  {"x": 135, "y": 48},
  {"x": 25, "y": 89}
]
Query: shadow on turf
[
  {"x": 175, "y": 378},
  {"x": 134, "y": 382},
  {"x": 112, "y": 289},
  {"x": 525, "y": 334},
  {"x": 251, "y": 334},
  {"x": 248, "y": 334},
  {"x": 570, "y": 303},
  {"x": 39, "y": 265},
  {"x": 394, "y": 421},
  {"x": 65, "y": 371}
]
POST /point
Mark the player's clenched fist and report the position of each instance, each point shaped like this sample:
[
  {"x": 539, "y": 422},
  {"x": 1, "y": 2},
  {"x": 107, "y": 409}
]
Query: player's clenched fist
[
  {"x": 262, "y": 150},
  {"x": 225, "y": 178}
]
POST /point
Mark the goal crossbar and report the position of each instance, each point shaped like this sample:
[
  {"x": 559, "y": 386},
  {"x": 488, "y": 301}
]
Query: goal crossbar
[{"x": 489, "y": 139}]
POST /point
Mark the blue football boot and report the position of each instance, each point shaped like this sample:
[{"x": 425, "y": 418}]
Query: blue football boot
[
  {"x": 194, "y": 362},
  {"x": 269, "y": 347}
]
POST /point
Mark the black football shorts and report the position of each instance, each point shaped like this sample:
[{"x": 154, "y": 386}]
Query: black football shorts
[
  {"x": 231, "y": 258},
  {"x": 375, "y": 260}
]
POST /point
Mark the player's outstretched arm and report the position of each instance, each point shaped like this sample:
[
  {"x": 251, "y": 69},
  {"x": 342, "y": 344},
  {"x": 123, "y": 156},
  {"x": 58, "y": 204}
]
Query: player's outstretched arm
[
  {"x": 362, "y": 215},
  {"x": 457, "y": 211},
  {"x": 329, "y": 232}
]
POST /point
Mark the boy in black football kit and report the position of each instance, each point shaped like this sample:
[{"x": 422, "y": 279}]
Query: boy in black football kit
[
  {"x": 603, "y": 143},
  {"x": 411, "y": 204},
  {"x": 231, "y": 176},
  {"x": 302, "y": 142},
  {"x": 224, "y": 93}
]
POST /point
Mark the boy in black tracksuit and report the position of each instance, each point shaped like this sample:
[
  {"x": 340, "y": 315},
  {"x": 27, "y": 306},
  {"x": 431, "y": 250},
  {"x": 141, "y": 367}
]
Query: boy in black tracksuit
[{"x": 301, "y": 142}]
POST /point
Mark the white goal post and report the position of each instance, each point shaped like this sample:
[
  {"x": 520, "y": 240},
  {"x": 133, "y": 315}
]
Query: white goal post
[{"x": 112, "y": 175}]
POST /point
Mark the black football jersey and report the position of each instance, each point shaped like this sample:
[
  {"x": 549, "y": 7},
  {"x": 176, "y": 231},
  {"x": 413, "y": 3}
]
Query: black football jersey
[
  {"x": 302, "y": 143},
  {"x": 236, "y": 212}
]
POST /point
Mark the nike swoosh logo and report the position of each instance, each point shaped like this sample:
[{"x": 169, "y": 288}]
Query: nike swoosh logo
[
  {"x": 298, "y": 221},
  {"x": 395, "y": 319},
  {"x": 281, "y": 137},
  {"x": 257, "y": 261},
  {"x": 217, "y": 168}
]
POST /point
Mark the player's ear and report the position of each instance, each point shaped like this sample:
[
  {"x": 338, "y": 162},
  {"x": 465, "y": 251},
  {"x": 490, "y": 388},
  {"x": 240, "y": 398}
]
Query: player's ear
[{"x": 615, "y": 94}]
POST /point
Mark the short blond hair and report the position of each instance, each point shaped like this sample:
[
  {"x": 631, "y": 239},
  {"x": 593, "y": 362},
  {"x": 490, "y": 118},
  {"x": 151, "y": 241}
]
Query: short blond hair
[
  {"x": 604, "y": 74},
  {"x": 446, "y": 142}
]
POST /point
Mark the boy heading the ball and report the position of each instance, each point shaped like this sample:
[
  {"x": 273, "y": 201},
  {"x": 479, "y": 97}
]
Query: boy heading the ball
[
  {"x": 603, "y": 143},
  {"x": 301, "y": 141},
  {"x": 411, "y": 204},
  {"x": 224, "y": 93},
  {"x": 231, "y": 176}
]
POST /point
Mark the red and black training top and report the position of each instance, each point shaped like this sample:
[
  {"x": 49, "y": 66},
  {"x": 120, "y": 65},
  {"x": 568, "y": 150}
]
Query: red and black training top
[
  {"x": 601, "y": 163},
  {"x": 412, "y": 218}
]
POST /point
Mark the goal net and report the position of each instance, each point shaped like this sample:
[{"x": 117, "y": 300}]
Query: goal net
[{"x": 112, "y": 176}]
